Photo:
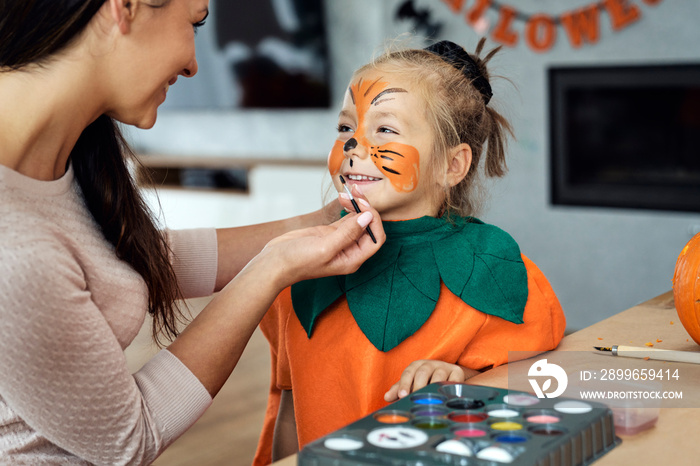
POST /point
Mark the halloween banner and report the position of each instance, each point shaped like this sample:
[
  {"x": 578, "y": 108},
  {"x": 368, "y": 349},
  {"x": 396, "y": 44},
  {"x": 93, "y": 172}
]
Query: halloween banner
[{"x": 540, "y": 30}]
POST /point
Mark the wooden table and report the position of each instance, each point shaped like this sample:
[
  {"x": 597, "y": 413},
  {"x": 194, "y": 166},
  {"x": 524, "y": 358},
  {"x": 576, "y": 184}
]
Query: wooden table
[{"x": 673, "y": 440}]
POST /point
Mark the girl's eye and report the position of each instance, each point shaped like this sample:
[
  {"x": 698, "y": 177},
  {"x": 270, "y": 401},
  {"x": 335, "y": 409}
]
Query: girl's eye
[
  {"x": 384, "y": 129},
  {"x": 344, "y": 128}
]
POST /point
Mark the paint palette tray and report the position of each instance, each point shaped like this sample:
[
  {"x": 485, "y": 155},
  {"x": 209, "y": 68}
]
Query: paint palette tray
[{"x": 464, "y": 425}]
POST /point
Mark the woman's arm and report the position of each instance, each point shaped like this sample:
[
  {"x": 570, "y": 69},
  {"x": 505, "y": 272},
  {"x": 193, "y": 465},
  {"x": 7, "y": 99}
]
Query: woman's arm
[
  {"x": 285, "y": 441},
  {"x": 237, "y": 246},
  {"x": 212, "y": 343}
]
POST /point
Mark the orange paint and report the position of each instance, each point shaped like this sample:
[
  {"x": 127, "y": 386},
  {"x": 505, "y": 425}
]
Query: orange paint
[
  {"x": 398, "y": 162},
  {"x": 582, "y": 25},
  {"x": 391, "y": 418}
]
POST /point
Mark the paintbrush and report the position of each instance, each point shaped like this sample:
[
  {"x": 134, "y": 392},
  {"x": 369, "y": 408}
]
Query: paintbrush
[
  {"x": 357, "y": 208},
  {"x": 651, "y": 353}
]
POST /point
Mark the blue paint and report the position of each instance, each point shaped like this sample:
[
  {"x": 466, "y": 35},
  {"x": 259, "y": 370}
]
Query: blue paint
[
  {"x": 510, "y": 438},
  {"x": 428, "y": 401}
]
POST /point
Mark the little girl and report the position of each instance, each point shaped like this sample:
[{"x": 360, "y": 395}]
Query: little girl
[{"x": 446, "y": 295}]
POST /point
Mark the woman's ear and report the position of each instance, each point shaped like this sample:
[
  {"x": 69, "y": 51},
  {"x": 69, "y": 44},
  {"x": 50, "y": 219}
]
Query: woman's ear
[
  {"x": 458, "y": 164},
  {"x": 123, "y": 13}
]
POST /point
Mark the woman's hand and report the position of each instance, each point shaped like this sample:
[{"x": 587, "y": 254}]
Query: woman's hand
[
  {"x": 420, "y": 373},
  {"x": 324, "y": 250}
]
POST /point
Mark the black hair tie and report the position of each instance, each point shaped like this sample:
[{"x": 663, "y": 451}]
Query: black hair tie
[{"x": 456, "y": 56}]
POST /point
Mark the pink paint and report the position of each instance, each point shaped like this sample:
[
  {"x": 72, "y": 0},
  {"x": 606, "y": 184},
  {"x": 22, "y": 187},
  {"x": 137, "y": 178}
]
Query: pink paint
[
  {"x": 470, "y": 432},
  {"x": 542, "y": 419}
]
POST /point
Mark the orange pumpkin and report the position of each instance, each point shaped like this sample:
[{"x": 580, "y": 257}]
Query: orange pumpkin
[{"x": 686, "y": 287}]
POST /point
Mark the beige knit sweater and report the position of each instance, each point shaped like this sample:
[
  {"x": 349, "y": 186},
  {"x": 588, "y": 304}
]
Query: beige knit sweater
[{"x": 68, "y": 308}]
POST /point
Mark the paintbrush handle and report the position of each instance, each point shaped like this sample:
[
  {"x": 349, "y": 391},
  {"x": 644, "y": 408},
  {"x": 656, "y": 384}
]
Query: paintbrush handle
[{"x": 658, "y": 354}]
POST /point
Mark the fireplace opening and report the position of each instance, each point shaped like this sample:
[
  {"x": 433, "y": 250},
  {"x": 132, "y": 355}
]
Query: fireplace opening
[{"x": 625, "y": 137}]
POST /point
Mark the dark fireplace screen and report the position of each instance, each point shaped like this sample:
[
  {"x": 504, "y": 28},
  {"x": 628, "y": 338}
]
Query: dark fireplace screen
[{"x": 626, "y": 137}]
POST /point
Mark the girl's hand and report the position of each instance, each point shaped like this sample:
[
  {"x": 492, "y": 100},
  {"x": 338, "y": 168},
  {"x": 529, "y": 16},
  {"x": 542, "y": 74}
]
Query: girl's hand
[{"x": 420, "y": 373}]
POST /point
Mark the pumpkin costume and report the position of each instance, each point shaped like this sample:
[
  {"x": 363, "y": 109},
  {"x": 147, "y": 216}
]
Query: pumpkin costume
[{"x": 457, "y": 291}]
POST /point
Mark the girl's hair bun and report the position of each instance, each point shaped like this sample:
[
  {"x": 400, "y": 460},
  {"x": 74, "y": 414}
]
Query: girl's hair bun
[{"x": 456, "y": 56}]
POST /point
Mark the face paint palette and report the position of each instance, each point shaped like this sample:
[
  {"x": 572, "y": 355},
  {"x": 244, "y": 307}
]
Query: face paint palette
[{"x": 464, "y": 425}]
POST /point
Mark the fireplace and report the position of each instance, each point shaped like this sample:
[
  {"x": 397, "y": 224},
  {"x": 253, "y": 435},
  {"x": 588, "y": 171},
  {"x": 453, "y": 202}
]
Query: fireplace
[{"x": 625, "y": 137}]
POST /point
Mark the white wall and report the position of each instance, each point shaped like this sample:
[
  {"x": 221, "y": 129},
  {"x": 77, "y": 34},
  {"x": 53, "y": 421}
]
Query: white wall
[{"x": 599, "y": 260}]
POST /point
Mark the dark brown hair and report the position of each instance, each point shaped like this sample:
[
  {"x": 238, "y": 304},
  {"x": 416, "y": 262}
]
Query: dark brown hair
[
  {"x": 31, "y": 33},
  {"x": 458, "y": 113}
]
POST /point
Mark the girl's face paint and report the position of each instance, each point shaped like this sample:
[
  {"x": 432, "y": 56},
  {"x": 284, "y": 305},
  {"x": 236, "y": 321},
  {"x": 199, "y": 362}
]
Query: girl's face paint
[{"x": 382, "y": 129}]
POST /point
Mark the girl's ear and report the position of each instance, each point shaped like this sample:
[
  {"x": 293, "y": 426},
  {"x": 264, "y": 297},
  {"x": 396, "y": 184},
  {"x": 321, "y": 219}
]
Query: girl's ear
[
  {"x": 123, "y": 13},
  {"x": 458, "y": 163}
]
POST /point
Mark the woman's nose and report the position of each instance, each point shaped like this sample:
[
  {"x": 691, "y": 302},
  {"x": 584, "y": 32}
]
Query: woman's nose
[{"x": 191, "y": 69}]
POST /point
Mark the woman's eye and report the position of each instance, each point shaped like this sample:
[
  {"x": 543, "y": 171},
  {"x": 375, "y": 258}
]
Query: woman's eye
[
  {"x": 198, "y": 25},
  {"x": 344, "y": 129}
]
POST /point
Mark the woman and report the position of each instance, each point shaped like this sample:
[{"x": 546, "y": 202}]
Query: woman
[{"x": 81, "y": 261}]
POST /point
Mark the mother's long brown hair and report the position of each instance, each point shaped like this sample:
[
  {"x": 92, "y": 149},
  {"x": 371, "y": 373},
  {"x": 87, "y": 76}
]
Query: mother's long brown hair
[{"x": 31, "y": 32}]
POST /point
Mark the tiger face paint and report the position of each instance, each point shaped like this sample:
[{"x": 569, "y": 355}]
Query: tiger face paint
[
  {"x": 384, "y": 143},
  {"x": 398, "y": 162}
]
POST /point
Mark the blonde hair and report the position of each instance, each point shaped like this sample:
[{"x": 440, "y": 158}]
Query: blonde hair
[{"x": 458, "y": 113}]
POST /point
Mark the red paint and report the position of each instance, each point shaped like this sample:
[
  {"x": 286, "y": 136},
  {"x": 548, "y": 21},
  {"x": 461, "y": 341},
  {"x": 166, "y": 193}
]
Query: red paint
[{"x": 468, "y": 417}]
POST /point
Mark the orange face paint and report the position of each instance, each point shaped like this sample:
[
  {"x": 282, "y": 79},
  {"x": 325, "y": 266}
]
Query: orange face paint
[{"x": 398, "y": 162}]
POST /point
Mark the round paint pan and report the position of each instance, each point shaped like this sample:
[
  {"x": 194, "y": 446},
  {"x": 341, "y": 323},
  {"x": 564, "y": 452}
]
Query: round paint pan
[
  {"x": 429, "y": 411},
  {"x": 511, "y": 438},
  {"x": 392, "y": 416},
  {"x": 474, "y": 431},
  {"x": 573, "y": 407},
  {"x": 428, "y": 399},
  {"x": 549, "y": 430},
  {"x": 541, "y": 416},
  {"x": 397, "y": 437},
  {"x": 467, "y": 416},
  {"x": 504, "y": 425},
  {"x": 520, "y": 399},
  {"x": 462, "y": 390},
  {"x": 456, "y": 447},
  {"x": 464, "y": 403},
  {"x": 502, "y": 411},
  {"x": 497, "y": 454},
  {"x": 343, "y": 443},
  {"x": 431, "y": 423}
]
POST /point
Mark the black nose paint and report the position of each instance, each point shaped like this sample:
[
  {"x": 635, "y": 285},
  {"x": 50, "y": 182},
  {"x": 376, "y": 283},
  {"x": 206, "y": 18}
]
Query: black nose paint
[{"x": 350, "y": 144}]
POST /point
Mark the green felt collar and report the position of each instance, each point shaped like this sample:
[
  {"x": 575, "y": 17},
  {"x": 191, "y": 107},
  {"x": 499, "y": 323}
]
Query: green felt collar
[{"x": 395, "y": 291}]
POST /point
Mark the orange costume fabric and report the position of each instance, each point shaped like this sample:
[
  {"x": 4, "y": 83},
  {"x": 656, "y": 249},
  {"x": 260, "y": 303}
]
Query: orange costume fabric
[{"x": 337, "y": 376}]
